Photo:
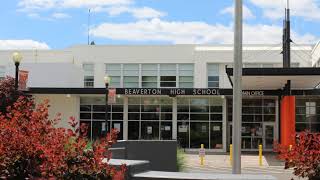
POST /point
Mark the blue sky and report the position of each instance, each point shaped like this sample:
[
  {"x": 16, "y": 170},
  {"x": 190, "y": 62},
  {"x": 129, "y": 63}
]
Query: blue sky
[{"x": 58, "y": 24}]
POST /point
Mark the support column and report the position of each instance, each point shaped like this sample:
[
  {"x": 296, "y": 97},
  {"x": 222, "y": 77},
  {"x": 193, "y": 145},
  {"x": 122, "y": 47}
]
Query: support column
[
  {"x": 125, "y": 118},
  {"x": 288, "y": 120},
  {"x": 224, "y": 123},
  {"x": 174, "y": 118}
]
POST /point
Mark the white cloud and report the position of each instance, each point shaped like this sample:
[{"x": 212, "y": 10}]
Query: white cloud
[
  {"x": 22, "y": 44},
  {"x": 60, "y": 15},
  {"x": 138, "y": 13},
  {"x": 247, "y": 13},
  {"x": 192, "y": 32},
  {"x": 274, "y": 9},
  {"x": 27, "y": 5}
]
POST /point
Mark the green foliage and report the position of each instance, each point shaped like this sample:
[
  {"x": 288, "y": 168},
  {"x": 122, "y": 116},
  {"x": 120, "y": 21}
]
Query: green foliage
[{"x": 181, "y": 159}]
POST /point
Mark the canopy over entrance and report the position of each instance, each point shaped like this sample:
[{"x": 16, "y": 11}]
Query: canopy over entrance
[{"x": 276, "y": 78}]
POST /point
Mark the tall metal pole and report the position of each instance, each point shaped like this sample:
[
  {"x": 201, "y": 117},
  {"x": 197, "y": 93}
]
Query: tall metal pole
[
  {"x": 107, "y": 110},
  {"x": 17, "y": 76},
  {"x": 237, "y": 90}
]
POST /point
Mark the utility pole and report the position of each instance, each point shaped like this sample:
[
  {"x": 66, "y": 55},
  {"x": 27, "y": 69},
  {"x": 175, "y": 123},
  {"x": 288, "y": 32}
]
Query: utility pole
[
  {"x": 237, "y": 90},
  {"x": 287, "y": 38}
]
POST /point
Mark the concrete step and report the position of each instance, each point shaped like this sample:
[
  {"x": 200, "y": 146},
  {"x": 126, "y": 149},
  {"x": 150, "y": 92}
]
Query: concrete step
[
  {"x": 160, "y": 175},
  {"x": 134, "y": 166}
]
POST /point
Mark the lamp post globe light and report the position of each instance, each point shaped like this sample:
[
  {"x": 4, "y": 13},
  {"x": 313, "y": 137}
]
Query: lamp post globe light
[
  {"x": 16, "y": 57},
  {"x": 107, "y": 80}
]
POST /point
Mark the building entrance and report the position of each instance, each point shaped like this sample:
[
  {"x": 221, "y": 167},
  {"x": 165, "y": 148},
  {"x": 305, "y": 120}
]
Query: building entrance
[{"x": 258, "y": 123}]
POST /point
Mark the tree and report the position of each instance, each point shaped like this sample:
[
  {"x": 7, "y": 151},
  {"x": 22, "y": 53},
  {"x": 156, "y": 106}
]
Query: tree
[
  {"x": 303, "y": 156},
  {"x": 32, "y": 147}
]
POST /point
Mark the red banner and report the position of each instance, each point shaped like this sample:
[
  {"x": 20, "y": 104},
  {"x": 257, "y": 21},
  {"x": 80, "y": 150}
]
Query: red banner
[
  {"x": 23, "y": 80},
  {"x": 112, "y": 96}
]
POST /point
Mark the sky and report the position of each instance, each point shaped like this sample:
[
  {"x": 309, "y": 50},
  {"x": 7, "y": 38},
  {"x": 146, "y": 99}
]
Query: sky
[{"x": 58, "y": 24}]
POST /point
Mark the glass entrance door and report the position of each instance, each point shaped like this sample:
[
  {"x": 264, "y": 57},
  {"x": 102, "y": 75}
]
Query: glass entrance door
[{"x": 268, "y": 136}]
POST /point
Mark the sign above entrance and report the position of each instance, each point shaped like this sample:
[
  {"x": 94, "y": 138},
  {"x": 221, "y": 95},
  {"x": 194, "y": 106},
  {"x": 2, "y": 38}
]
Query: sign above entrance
[{"x": 193, "y": 91}]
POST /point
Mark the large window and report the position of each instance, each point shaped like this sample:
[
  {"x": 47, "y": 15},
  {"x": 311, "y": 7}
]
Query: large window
[
  {"x": 150, "y": 118},
  {"x": 168, "y": 75},
  {"x": 88, "y": 75},
  {"x": 200, "y": 122},
  {"x": 114, "y": 71},
  {"x": 92, "y": 113},
  {"x": 186, "y": 75},
  {"x": 131, "y": 75},
  {"x": 213, "y": 75},
  {"x": 151, "y": 75},
  {"x": 256, "y": 115},
  {"x": 306, "y": 114}
]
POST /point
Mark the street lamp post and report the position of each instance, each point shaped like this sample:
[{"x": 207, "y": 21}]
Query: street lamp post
[
  {"x": 107, "y": 81},
  {"x": 16, "y": 57},
  {"x": 237, "y": 89}
]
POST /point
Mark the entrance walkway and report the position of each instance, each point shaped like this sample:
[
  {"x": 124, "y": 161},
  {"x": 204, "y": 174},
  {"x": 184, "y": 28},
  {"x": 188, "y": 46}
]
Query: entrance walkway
[{"x": 250, "y": 165}]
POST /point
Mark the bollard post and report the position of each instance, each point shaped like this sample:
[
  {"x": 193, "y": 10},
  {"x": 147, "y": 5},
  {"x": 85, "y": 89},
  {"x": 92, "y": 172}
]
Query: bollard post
[
  {"x": 231, "y": 154},
  {"x": 260, "y": 155},
  {"x": 290, "y": 147},
  {"x": 202, "y": 154}
]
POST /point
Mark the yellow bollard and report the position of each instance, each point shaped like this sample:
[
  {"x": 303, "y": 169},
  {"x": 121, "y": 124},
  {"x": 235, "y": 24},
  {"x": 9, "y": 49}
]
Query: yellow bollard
[
  {"x": 231, "y": 154},
  {"x": 202, "y": 154},
  {"x": 290, "y": 147},
  {"x": 260, "y": 155}
]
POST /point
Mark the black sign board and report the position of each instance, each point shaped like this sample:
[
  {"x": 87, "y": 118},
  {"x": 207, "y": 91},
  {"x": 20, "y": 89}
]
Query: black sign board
[{"x": 193, "y": 91}]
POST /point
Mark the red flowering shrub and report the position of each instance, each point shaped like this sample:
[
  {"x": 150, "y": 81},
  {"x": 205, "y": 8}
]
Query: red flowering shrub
[
  {"x": 304, "y": 156},
  {"x": 31, "y": 147}
]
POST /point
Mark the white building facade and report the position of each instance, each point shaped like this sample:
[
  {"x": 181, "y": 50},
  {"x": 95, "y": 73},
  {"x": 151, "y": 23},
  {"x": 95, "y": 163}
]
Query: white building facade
[{"x": 179, "y": 92}]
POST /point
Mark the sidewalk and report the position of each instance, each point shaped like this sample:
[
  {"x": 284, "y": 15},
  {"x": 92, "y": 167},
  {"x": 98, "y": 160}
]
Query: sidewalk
[{"x": 249, "y": 165}]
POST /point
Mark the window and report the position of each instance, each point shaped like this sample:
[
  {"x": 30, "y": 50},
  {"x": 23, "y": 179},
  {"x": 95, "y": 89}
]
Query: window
[
  {"x": 306, "y": 115},
  {"x": 114, "y": 71},
  {"x": 213, "y": 75},
  {"x": 149, "y": 75},
  {"x": 168, "y": 75},
  {"x": 186, "y": 75},
  {"x": 131, "y": 75},
  {"x": 88, "y": 75}
]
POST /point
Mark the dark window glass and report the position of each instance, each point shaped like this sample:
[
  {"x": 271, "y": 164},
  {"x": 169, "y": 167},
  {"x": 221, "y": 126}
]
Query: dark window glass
[
  {"x": 216, "y": 136},
  {"x": 213, "y": 78},
  {"x": 150, "y": 130},
  {"x": 150, "y": 108},
  {"x": 86, "y": 131},
  {"x": 213, "y": 84},
  {"x": 117, "y": 116},
  {"x": 166, "y": 116},
  {"x": 100, "y": 108},
  {"x": 100, "y": 116},
  {"x": 117, "y": 108},
  {"x": 166, "y": 130},
  {"x": 85, "y": 108},
  {"x": 199, "y": 108},
  {"x": 183, "y": 108},
  {"x": 217, "y": 109},
  {"x": 168, "y": 78},
  {"x": 216, "y": 117},
  {"x": 183, "y": 116},
  {"x": 134, "y": 116},
  {"x": 269, "y": 118},
  {"x": 149, "y": 116},
  {"x": 166, "y": 108},
  {"x": 183, "y": 134},
  {"x": 301, "y": 127},
  {"x": 315, "y": 127},
  {"x": 134, "y": 108},
  {"x": 301, "y": 118},
  {"x": 199, "y": 117},
  {"x": 97, "y": 130},
  {"x": 168, "y": 84},
  {"x": 116, "y": 124},
  {"x": 199, "y": 134},
  {"x": 133, "y": 130},
  {"x": 85, "y": 115}
]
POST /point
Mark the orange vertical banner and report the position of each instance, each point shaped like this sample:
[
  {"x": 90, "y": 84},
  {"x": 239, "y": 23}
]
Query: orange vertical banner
[{"x": 288, "y": 120}]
